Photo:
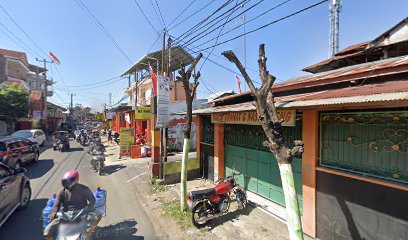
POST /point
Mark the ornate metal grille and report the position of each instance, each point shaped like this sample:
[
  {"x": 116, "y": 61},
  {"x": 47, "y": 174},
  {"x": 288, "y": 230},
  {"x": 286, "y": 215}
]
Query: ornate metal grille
[{"x": 367, "y": 143}]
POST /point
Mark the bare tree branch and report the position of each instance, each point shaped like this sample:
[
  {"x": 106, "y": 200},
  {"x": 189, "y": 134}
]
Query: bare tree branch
[
  {"x": 195, "y": 85},
  {"x": 230, "y": 55}
]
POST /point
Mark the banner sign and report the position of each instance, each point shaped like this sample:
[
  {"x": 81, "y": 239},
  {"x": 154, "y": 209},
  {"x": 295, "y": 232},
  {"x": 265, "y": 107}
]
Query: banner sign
[
  {"x": 251, "y": 118},
  {"x": 163, "y": 100},
  {"x": 127, "y": 139},
  {"x": 142, "y": 113}
]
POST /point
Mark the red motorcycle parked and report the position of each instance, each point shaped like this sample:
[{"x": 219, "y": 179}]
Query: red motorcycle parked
[{"x": 211, "y": 203}]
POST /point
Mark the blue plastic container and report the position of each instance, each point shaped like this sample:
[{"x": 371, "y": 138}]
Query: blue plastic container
[
  {"x": 48, "y": 210},
  {"x": 100, "y": 200}
]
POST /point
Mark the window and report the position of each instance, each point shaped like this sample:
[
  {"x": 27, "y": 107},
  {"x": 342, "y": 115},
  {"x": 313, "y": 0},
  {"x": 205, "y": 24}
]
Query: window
[
  {"x": 4, "y": 172},
  {"x": 368, "y": 143},
  {"x": 33, "y": 85}
]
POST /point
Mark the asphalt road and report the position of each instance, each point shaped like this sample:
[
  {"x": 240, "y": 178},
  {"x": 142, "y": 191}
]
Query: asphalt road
[{"x": 125, "y": 218}]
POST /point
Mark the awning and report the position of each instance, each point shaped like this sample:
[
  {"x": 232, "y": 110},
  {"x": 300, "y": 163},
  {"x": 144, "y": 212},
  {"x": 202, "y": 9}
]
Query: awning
[{"x": 178, "y": 56}]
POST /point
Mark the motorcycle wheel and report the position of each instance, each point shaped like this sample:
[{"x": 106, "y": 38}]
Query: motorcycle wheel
[
  {"x": 197, "y": 212},
  {"x": 241, "y": 198},
  {"x": 100, "y": 169}
]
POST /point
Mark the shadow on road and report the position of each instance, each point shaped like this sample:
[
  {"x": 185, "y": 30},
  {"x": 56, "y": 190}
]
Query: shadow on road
[
  {"x": 108, "y": 170},
  {"x": 40, "y": 168},
  {"x": 123, "y": 230},
  {"x": 78, "y": 149},
  {"x": 230, "y": 216},
  {"x": 26, "y": 223}
]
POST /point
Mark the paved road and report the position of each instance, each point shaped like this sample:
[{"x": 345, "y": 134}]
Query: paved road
[{"x": 125, "y": 218}]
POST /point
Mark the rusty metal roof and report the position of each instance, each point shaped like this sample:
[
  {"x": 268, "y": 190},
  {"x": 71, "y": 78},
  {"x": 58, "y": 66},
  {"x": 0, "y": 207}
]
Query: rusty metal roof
[
  {"x": 382, "y": 92},
  {"x": 384, "y": 67}
]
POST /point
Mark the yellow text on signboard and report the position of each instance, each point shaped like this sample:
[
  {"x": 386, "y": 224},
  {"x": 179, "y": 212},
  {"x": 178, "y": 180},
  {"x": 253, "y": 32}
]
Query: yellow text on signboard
[
  {"x": 142, "y": 113},
  {"x": 251, "y": 118}
]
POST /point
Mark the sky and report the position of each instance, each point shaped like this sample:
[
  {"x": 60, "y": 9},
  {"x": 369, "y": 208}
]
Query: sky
[{"x": 88, "y": 57}]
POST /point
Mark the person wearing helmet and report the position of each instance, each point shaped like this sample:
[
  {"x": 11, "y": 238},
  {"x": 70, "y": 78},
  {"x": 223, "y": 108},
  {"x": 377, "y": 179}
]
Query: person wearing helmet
[{"x": 73, "y": 196}]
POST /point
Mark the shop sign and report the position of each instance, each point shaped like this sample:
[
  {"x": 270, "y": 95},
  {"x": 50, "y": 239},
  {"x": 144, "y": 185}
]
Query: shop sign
[
  {"x": 142, "y": 113},
  {"x": 251, "y": 118},
  {"x": 163, "y": 101},
  {"x": 127, "y": 139}
]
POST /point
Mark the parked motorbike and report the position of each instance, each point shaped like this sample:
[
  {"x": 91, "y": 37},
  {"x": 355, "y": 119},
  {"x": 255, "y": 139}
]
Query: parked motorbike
[
  {"x": 82, "y": 139},
  {"x": 211, "y": 203},
  {"x": 73, "y": 225}
]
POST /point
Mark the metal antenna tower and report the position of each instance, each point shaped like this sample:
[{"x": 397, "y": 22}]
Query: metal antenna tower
[{"x": 334, "y": 12}]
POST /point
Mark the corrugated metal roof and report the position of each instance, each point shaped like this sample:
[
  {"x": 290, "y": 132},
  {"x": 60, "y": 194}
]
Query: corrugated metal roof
[
  {"x": 383, "y": 92},
  {"x": 355, "y": 72}
]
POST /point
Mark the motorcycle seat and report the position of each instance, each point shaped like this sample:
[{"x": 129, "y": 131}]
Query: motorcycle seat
[{"x": 201, "y": 194}]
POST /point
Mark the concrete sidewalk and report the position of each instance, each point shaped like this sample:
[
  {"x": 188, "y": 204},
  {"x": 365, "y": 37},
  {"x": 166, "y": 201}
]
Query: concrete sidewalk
[{"x": 250, "y": 223}]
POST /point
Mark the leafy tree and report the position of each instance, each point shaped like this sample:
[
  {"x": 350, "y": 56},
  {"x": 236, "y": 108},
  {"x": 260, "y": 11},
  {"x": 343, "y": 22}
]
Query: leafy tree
[
  {"x": 13, "y": 101},
  {"x": 99, "y": 117}
]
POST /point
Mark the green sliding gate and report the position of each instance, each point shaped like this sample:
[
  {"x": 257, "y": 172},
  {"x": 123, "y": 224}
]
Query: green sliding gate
[{"x": 244, "y": 152}]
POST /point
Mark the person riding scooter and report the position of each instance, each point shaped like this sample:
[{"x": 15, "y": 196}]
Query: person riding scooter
[{"x": 72, "y": 197}]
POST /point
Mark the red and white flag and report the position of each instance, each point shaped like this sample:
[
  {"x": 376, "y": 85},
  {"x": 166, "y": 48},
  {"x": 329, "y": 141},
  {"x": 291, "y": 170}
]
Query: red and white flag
[
  {"x": 239, "y": 83},
  {"x": 154, "y": 80},
  {"x": 54, "y": 58}
]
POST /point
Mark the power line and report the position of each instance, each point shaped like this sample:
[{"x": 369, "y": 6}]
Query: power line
[
  {"x": 227, "y": 14},
  {"x": 194, "y": 13},
  {"x": 161, "y": 16},
  {"x": 252, "y": 19},
  {"x": 25, "y": 33},
  {"x": 179, "y": 15},
  {"x": 97, "y": 83},
  {"x": 155, "y": 12},
  {"x": 107, "y": 34},
  {"x": 204, "y": 20},
  {"x": 235, "y": 17},
  {"x": 147, "y": 19},
  {"x": 266, "y": 25}
]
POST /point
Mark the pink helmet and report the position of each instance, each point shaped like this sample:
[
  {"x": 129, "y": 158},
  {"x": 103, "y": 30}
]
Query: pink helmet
[{"x": 70, "y": 178}]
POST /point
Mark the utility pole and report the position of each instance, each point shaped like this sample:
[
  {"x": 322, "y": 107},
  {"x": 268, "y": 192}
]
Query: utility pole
[
  {"x": 44, "y": 92},
  {"x": 162, "y": 144},
  {"x": 110, "y": 100}
]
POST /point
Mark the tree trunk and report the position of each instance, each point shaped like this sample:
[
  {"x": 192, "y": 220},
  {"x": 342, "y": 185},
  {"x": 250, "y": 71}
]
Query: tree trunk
[
  {"x": 183, "y": 177},
  {"x": 291, "y": 200},
  {"x": 271, "y": 124}
]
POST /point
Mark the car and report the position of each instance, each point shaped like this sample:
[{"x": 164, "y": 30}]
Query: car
[
  {"x": 15, "y": 151},
  {"x": 15, "y": 191},
  {"x": 34, "y": 135}
]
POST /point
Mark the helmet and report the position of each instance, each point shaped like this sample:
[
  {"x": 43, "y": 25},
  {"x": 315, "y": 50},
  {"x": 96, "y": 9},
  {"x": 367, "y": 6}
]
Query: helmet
[{"x": 70, "y": 178}]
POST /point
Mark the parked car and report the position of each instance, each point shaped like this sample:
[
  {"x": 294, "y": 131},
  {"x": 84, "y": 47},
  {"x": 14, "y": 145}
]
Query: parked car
[
  {"x": 34, "y": 135},
  {"x": 15, "y": 191},
  {"x": 15, "y": 151}
]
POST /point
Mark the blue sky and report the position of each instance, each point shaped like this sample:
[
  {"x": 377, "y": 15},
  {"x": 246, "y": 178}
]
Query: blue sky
[{"x": 87, "y": 56}]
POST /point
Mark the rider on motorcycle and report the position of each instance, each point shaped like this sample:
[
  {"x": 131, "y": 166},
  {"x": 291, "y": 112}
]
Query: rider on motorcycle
[{"x": 73, "y": 196}]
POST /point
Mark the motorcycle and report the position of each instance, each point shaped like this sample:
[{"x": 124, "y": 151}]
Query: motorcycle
[
  {"x": 74, "y": 225},
  {"x": 211, "y": 203},
  {"x": 82, "y": 139},
  {"x": 62, "y": 146},
  {"x": 98, "y": 161}
]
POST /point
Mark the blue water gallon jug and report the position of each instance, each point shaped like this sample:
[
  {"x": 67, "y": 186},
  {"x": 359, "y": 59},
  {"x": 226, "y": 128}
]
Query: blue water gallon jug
[
  {"x": 100, "y": 200},
  {"x": 48, "y": 210}
]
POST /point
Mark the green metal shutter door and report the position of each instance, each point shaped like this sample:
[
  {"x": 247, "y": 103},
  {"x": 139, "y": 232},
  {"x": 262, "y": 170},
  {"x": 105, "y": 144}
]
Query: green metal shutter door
[{"x": 245, "y": 153}]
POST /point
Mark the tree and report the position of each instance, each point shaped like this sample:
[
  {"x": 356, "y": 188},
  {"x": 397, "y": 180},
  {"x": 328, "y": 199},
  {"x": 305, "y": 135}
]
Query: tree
[
  {"x": 272, "y": 126},
  {"x": 99, "y": 117},
  {"x": 13, "y": 101},
  {"x": 190, "y": 92}
]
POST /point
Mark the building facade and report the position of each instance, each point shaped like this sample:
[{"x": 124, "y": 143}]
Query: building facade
[{"x": 352, "y": 116}]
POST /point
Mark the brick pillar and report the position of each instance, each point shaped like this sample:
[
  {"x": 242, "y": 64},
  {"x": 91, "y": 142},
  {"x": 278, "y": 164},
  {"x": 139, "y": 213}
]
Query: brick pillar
[
  {"x": 310, "y": 138},
  {"x": 219, "y": 167}
]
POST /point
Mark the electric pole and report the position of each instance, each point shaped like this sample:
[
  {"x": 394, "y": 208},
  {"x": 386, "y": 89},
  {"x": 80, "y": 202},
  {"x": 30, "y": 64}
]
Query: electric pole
[
  {"x": 162, "y": 151},
  {"x": 44, "y": 93},
  {"x": 110, "y": 100}
]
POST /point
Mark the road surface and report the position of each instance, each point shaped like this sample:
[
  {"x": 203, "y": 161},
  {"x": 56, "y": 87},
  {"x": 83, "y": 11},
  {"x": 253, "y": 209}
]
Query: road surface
[{"x": 125, "y": 219}]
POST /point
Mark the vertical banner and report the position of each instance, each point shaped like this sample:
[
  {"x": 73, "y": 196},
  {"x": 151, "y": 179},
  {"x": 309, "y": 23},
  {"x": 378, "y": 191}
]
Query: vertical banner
[
  {"x": 163, "y": 100},
  {"x": 127, "y": 139}
]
